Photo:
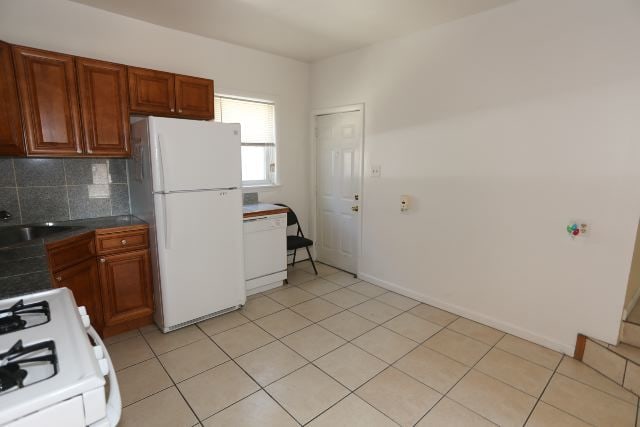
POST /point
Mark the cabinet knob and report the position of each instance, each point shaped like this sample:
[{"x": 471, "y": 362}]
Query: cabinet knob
[
  {"x": 59, "y": 278},
  {"x": 180, "y": 110},
  {"x": 103, "y": 260},
  {"x": 123, "y": 241},
  {"x": 173, "y": 109}
]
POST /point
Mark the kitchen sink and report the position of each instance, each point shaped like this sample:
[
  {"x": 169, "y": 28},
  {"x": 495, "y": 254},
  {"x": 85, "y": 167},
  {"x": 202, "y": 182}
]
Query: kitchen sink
[{"x": 13, "y": 235}]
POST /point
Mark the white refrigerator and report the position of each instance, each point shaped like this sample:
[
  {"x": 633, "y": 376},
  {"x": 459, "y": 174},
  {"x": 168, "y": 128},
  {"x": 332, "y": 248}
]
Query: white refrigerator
[{"x": 184, "y": 180}]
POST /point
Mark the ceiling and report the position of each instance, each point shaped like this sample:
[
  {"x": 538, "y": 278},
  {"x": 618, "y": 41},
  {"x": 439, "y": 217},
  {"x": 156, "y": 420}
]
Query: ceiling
[{"x": 306, "y": 30}]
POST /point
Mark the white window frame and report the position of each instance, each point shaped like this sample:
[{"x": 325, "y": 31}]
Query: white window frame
[{"x": 268, "y": 183}]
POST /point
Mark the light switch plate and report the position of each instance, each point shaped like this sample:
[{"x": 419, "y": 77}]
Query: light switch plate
[{"x": 376, "y": 171}]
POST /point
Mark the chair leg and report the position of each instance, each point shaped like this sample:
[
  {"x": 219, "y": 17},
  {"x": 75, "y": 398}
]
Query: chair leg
[
  {"x": 293, "y": 264},
  {"x": 313, "y": 264}
]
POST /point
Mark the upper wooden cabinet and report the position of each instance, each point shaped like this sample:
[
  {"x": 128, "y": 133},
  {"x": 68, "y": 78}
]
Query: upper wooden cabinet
[
  {"x": 151, "y": 92},
  {"x": 11, "y": 138},
  {"x": 194, "y": 97},
  {"x": 104, "y": 107},
  {"x": 49, "y": 101},
  {"x": 166, "y": 94},
  {"x": 58, "y": 105}
]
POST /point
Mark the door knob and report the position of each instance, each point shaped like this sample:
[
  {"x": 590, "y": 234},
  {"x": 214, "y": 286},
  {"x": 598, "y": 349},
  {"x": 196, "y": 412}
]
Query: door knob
[{"x": 355, "y": 208}]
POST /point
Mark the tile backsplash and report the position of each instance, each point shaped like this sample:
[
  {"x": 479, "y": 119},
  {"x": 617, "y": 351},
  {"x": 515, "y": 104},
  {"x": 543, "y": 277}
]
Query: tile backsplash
[
  {"x": 249, "y": 198},
  {"x": 38, "y": 190}
]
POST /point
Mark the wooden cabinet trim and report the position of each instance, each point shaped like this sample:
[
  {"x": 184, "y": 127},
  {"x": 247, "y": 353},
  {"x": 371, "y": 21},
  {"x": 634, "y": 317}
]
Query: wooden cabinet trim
[
  {"x": 11, "y": 135},
  {"x": 61, "y": 114},
  {"x": 104, "y": 108}
]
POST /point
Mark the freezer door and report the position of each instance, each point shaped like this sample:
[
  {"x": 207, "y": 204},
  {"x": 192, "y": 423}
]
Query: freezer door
[
  {"x": 194, "y": 155},
  {"x": 199, "y": 237}
]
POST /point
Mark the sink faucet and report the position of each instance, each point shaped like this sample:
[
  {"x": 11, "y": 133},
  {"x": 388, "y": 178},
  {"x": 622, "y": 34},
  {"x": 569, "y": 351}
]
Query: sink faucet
[{"x": 5, "y": 215}]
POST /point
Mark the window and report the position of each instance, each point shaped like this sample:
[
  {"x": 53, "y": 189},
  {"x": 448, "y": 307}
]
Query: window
[{"x": 258, "y": 136}]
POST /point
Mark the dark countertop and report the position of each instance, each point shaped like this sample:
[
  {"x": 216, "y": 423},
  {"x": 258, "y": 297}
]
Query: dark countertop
[
  {"x": 259, "y": 209},
  {"x": 24, "y": 267}
]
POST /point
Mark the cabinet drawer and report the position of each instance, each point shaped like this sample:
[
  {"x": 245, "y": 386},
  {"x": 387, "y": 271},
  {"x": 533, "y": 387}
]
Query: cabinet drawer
[
  {"x": 71, "y": 251},
  {"x": 121, "y": 241}
]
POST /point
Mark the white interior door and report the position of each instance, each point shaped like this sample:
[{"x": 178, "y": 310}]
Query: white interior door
[{"x": 338, "y": 178}]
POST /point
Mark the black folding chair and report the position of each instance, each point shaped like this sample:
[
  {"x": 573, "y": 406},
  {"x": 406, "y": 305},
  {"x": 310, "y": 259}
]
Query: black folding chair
[{"x": 298, "y": 241}]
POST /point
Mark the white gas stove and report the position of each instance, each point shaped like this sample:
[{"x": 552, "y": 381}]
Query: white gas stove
[{"x": 50, "y": 372}]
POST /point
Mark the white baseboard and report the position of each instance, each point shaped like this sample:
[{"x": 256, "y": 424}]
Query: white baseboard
[{"x": 473, "y": 315}]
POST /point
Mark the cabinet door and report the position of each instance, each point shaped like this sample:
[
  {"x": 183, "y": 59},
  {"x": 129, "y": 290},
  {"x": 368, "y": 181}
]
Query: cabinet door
[
  {"x": 125, "y": 280},
  {"x": 49, "y": 100},
  {"x": 104, "y": 107},
  {"x": 11, "y": 138},
  {"x": 194, "y": 97},
  {"x": 82, "y": 279},
  {"x": 151, "y": 92}
]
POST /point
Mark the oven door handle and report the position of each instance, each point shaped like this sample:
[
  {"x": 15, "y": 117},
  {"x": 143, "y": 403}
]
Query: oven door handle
[{"x": 114, "y": 403}]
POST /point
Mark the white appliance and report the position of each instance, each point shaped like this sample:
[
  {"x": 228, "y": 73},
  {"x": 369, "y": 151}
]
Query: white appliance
[
  {"x": 265, "y": 252},
  {"x": 51, "y": 374},
  {"x": 184, "y": 180}
]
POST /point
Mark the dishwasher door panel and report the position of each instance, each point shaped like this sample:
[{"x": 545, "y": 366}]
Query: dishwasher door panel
[{"x": 265, "y": 246}]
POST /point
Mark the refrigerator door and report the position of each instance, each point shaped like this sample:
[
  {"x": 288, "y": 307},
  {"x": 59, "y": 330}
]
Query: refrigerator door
[
  {"x": 199, "y": 236},
  {"x": 192, "y": 155}
]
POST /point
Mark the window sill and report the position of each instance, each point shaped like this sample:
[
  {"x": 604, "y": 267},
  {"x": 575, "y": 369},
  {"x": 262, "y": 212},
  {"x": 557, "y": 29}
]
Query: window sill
[{"x": 260, "y": 188}]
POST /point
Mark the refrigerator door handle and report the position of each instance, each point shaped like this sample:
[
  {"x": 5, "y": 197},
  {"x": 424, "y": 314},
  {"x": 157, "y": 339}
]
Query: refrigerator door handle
[
  {"x": 167, "y": 227},
  {"x": 161, "y": 164}
]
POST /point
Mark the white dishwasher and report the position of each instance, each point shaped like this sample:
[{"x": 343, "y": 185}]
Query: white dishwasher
[{"x": 265, "y": 252}]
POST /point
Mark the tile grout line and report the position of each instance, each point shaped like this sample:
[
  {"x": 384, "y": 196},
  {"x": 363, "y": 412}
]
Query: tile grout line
[
  {"x": 171, "y": 378},
  {"x": 456, "y": 383},
  {"x": 261, "y": 388},
  {"x": 535, "y": 405},
  {"x": 389, "y": 365},
  {"x": 15, "y": 181},
  {"x": 313, "y": 362}
]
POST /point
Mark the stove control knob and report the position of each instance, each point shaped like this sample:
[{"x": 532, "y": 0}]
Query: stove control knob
[
  {"x": 82, "y": 310},
  {"x": 97, "y": 350},
  {"x": 104, "y": 366}
]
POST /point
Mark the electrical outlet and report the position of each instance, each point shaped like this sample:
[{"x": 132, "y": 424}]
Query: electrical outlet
[{"x": 376, "y": 171}]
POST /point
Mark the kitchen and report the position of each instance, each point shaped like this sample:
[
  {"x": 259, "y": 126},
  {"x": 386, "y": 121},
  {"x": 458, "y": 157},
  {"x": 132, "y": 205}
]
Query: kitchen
[
  {"x": 149, "y": 225},
  {"x": 464, "y": 177}
]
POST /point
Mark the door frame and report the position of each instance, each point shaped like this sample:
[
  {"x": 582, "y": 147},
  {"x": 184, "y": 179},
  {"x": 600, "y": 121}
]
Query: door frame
[{"x": 314, "y": 173}]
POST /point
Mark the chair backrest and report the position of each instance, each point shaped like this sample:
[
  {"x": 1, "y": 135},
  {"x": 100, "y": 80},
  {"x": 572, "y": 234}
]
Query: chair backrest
[{"x": 292, "y": 218}]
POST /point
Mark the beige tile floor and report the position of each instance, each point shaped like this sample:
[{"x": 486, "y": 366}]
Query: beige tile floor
[{"x": 335, "y": 351}]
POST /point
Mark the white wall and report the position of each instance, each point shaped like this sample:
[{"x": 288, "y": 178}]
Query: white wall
[
  {"x": 504, "y": 127},
  {"x": 69, "y": 27}
]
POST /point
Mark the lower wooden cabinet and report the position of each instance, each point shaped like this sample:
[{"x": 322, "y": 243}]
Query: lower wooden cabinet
[
  {"x": 83, "y": 281},
  {"x": 116, "y": 287},
  {"x": 125, "y": 282}
]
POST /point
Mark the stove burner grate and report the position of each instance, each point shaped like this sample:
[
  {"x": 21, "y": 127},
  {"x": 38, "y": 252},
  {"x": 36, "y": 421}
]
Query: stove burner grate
[
  {"x": 15, "y": 364},
  {"x": 22, "y": 316}
]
